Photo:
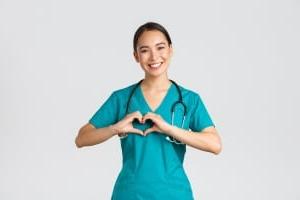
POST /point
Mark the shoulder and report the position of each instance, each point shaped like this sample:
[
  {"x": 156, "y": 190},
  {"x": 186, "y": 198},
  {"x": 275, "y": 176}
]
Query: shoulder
[
  {"x": 188, "y": 93},
  {"x": 191, "y": 97},
  {"x": 124, "y": 91}
]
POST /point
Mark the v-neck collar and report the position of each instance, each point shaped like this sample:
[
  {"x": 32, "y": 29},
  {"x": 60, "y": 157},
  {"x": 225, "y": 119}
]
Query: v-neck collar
[{"x": 144, "y": 100}]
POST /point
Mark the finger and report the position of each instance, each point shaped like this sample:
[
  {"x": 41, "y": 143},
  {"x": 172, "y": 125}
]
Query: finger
[
  {"x": 138, "y": 131},
  {"x": 147, "y": 116},
  {"x": 137, "y": 115},
  {"x": 150, "y": 116},
  {"x": 149, "y": 130},
  {"x": 122, "y": 134},
  {"x": 133, "y": 113}
]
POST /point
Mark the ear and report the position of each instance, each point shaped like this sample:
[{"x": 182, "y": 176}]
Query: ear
[{"x": 136, "y": 57}]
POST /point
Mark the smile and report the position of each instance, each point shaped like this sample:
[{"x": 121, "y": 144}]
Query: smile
[{"x": 155, "y": 65}]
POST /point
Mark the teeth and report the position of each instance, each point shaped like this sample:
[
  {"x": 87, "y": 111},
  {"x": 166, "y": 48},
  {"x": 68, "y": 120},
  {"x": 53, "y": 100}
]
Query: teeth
[{"x": 156, "y": 65}]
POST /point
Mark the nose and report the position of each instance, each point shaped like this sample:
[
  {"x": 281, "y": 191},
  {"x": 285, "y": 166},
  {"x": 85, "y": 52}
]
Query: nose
[{"x": 154, "y": 55}]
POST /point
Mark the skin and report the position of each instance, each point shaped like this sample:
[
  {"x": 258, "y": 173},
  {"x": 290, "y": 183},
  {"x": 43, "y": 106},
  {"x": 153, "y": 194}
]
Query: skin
[{"x": 152, "y": 47}]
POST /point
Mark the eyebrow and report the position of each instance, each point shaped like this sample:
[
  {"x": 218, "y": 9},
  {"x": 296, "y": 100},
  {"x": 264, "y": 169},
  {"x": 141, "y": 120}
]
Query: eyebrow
[{"x": 144, "y": 46}]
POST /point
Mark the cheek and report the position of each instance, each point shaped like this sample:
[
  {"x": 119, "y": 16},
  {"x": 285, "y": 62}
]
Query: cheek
[
  {"x": 144, "y": 58},
  {"x": 166, "y": 55},
  {"x": 166, "y": 58}
]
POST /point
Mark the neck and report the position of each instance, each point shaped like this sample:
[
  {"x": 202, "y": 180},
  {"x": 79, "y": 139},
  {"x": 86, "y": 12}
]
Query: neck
[{"x": 156, "y": 83}]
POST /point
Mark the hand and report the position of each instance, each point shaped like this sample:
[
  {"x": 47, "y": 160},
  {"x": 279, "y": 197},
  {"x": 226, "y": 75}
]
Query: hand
[
  {"x": 159, "y": 124},
  {"x": 125, "y": 125}
]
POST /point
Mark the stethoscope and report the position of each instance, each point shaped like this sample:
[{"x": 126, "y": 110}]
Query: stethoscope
[{"x": 179, "y": 101}]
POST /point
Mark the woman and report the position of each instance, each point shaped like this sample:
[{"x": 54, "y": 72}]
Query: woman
[{"x": 153, "y": 139}]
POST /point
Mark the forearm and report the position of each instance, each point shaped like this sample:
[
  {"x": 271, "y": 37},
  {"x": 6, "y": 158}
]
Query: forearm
[
  {"x": 205, "y": 141},
  {"x": 95, "y": 136}
]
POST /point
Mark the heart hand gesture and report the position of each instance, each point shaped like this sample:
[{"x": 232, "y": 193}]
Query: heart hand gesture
[
  {"x": 125, "y": 125},
  {"x": 159, "y": 124}
]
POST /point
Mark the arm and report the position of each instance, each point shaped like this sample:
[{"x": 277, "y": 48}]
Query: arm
[
  {"x": 207, "y": 140},
  {"x": 88, "y": 135}
]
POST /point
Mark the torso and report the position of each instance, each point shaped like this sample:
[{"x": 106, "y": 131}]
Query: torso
[{"x": 152, "y": 161}]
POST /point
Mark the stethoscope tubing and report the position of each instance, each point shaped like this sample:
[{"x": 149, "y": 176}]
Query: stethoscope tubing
[{"x": 180, "y": 101}]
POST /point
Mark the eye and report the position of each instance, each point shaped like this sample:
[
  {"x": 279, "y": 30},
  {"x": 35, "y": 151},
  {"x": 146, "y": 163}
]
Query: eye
[
  {"x": 161, "y": 47},
  {"x": 143, "y": 51}
]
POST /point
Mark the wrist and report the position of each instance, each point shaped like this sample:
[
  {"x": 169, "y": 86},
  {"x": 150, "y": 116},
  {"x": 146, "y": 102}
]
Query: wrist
[
  {"x": 171, "y": 130},
  {"x": 114, "y": 130}
]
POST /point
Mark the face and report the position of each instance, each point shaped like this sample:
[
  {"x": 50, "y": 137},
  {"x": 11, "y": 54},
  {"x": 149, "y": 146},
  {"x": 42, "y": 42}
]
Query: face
[{"x": 153, "y": 53}]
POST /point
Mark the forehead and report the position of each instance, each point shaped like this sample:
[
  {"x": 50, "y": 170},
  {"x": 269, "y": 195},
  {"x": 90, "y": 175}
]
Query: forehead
[{"x": 151, "y": 38}]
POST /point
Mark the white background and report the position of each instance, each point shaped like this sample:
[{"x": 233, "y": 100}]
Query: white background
[{"x": 59, "y": 61}]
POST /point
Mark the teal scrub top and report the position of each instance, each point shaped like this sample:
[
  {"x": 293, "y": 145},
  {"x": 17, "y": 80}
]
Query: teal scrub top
[{"x": 152, "y": 167}]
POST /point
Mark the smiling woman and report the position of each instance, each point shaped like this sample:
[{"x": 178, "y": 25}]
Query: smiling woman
[
  {"x": 155, "y": 119},
  {"x": 153, "y": 50}
]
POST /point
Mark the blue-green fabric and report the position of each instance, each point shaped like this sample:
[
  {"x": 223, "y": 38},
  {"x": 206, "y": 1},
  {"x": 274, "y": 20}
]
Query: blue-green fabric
[{"x": 152, "y": 167}]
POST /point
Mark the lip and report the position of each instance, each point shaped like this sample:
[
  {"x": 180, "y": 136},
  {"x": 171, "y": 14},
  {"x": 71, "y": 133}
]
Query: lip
[{"x": 160, "y": 63}]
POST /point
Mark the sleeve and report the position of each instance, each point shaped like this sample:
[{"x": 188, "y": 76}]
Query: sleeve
[
  {"x": 106, "y": 114},
  {"x": 200, "y": 118}
]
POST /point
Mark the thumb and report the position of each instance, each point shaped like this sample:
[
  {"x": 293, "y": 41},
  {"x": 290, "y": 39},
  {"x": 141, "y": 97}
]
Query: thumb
[
  {"x": 149, "y": 130},
  {"x": 138, "y": 131}
]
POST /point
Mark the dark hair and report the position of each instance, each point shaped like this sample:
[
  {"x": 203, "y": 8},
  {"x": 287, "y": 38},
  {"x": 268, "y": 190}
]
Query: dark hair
[{"x": 150, "y": 26}]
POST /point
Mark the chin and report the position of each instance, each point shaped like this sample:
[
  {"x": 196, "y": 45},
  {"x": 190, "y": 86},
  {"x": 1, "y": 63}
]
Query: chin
[{"x": 155, "y": 74}]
